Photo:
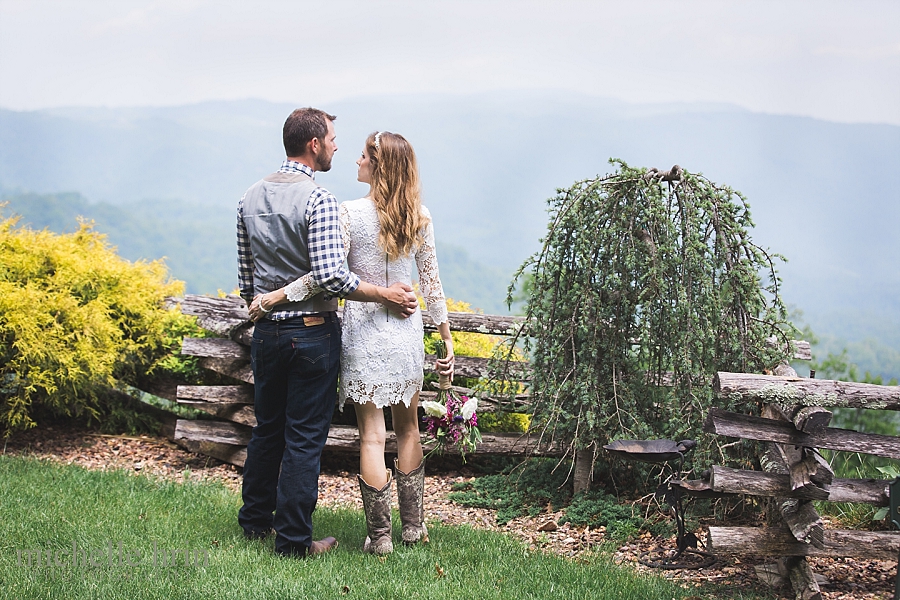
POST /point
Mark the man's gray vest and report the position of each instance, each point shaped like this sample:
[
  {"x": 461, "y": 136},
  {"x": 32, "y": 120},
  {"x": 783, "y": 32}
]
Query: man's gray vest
[{"x": 275, "y": 217}]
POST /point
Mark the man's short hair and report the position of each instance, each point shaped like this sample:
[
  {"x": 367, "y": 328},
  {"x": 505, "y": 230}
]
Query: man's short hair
[{"x": 303, "y": 125}]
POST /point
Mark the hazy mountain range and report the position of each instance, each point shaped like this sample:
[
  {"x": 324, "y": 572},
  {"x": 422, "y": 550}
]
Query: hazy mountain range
[{"x": 165, "y": 181}]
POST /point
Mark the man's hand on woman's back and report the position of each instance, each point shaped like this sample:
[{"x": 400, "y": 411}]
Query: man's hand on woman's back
[{"x": 400, "y": 300}]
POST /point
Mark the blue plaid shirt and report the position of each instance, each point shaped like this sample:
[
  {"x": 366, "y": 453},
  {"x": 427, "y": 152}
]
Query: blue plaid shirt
[{"x": 326, "y": 250}]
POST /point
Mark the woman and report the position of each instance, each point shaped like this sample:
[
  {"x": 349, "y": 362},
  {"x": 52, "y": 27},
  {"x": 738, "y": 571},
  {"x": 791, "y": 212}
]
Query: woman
[{"x": 385, "y": 234}]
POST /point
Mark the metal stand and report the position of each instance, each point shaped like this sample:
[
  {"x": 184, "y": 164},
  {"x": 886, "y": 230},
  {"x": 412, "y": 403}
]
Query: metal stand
[{"x": 687, "y": 555}]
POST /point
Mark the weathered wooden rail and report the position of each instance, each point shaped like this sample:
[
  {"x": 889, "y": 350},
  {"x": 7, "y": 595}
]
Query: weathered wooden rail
[
  {"x": 794, "y": 425},
  {"x": 226, "y": 439}
]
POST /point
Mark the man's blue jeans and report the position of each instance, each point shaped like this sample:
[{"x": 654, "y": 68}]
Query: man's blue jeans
[{"x": 295, "y": 371}]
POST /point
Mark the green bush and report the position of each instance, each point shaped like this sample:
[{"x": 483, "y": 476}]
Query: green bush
[
  {"x": 76, "y": 320},
  {"x": 642, "y": 290},
  {"x": 524, "y": 489},
  {"x": 596, "y": 508},
  {"x": 530, "y": 487}
]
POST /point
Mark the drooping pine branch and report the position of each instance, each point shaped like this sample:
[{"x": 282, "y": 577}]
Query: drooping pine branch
[{"x": 646, "y": 285}]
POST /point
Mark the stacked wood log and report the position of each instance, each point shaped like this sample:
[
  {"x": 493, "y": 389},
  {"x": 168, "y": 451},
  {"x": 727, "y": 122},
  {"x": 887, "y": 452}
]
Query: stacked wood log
[
  {"x": 227, "y": 436},
  {"x": 793, "y": 425}
]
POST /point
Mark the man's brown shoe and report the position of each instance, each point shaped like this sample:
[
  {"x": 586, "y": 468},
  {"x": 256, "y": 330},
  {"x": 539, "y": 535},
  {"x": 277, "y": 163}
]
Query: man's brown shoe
[{"x": 322, "y": 546}]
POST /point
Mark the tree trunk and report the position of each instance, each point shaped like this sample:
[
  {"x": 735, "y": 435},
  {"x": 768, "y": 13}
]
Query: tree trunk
[{"x": 584, "y": 464}]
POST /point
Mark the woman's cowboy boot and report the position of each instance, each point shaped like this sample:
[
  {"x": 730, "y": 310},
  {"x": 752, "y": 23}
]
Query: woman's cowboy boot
[
  {"x": 377, "y": 506},
  {"x": 411, "y": 494}
]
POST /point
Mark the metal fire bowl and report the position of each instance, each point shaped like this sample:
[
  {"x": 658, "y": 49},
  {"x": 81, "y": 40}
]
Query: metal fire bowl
[{"x": 653, "y": 451}]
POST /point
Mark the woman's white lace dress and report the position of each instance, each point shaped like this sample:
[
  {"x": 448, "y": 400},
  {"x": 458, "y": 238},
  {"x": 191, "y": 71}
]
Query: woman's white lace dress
[{"x": 381, "y": 355}]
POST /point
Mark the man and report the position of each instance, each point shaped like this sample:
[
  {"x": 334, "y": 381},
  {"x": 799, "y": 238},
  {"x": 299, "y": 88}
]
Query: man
[{"x": 287, "y": 226}]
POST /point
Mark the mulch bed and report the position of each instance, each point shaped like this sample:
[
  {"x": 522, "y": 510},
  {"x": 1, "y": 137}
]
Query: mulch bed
[{"x": 848, "y": 579}]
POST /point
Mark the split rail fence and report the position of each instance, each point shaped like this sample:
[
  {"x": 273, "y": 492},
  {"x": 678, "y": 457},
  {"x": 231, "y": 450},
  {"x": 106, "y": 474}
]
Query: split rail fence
[
  {"x": 226, "y": 436},
  {"x": 793, "y": 427}
]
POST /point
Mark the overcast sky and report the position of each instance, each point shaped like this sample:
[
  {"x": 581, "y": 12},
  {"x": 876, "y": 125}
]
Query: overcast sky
[{"x": 838, "y": 61}]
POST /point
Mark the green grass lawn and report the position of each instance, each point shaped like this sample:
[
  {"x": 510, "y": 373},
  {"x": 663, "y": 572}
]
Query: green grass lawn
[{"x": 49, "y": 507}]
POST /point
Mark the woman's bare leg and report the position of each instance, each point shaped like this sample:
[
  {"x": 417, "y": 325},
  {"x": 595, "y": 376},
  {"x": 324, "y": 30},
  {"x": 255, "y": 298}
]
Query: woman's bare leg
[
  {"x": 370, "y": 420},
  {"x": 406, "y": 427}
]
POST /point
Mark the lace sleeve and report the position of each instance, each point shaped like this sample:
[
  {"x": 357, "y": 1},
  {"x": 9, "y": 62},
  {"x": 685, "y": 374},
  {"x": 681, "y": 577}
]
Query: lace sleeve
[
  {"x": 344, "y": 226},
  {"x": 430, "y": 279},
  {"x": 305, "y": 288},
  {"x": 301, "y": 289}
]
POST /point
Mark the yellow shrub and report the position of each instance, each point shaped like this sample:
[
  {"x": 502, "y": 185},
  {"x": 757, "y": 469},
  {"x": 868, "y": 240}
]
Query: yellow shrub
[
  {"x": 75, "y": 318},
  {"x": 482, "y": 346},
  {"x": 464, "y": 344},
  {"x": 500, "y": 421}
]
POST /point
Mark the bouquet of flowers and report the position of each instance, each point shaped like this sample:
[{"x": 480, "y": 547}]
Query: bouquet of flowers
[{"x": 451, "y": 421}]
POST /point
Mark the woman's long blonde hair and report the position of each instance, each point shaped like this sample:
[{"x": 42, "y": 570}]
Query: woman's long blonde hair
[{"x": 396, "y": 193}]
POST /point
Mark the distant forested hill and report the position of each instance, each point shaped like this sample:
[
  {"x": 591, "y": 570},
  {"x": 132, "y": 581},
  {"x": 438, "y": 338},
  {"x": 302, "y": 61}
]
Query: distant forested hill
[
  {"x": 197, "y": 242},
  {"x": 821, "y": 193}
]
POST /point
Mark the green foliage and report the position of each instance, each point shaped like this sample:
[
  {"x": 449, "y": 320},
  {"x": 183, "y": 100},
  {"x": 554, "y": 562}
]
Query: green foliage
[
  {"x": 639, "y": 282},
  {"x": 839, "y": 367},
  {"x": 524, "y": 489},
  {"x": 596, "y": 508},
  {"x": 75, "y": 320},
  {"x": 123, "y": 413},
  {"x": 466, "y": 344},
  {"x": 883, "y": 422},
  {"x": 536, "y": 485},
  {"x": 891, "y": 472},
  {"x": 174, "y": 365},
  {"x": 517, "y": 299},
  {"x": 853, "y": 465}
]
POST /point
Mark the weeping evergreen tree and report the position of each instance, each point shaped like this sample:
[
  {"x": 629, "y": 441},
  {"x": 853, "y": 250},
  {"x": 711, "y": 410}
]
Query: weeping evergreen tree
[{"x": 646, "y": 285}]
